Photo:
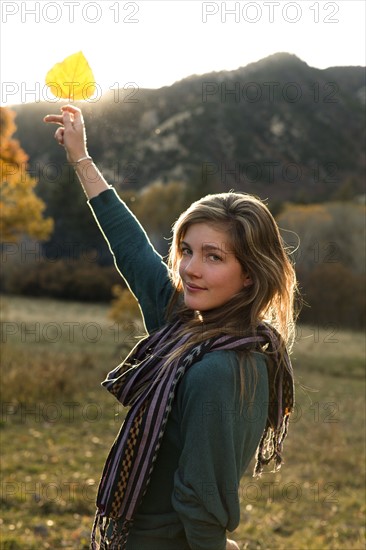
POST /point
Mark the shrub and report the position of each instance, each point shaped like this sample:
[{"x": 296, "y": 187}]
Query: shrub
[
  {"x": 335, "y": 295},
  {"x": 124, "y": 305},
  {"x": 63, "y": 279}
]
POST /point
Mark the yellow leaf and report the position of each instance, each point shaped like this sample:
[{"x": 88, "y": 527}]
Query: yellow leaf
[{"x": 72, "y": 78}]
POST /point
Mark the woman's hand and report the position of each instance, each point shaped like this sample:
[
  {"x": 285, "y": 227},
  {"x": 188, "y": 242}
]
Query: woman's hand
[
  {"x": 231, "y": 545},
  {"x": 71, "y": 133}
]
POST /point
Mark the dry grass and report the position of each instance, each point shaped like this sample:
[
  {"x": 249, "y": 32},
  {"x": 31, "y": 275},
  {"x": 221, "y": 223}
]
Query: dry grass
[{"x": 58, "y": 423}]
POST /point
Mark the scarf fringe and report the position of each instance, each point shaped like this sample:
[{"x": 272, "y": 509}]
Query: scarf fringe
[
  {"x": 270, "y": 447},
  {"x": 118, "y": 538}
]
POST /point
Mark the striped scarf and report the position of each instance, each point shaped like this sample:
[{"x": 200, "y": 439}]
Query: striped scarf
[{"x": 144, "y": 383}]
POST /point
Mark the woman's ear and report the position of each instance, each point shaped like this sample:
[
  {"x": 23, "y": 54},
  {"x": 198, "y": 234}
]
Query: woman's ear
[{"x": 247, "y": 281}]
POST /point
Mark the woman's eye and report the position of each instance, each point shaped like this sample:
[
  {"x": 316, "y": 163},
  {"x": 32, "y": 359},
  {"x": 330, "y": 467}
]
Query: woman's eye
[
  {"x": 185, "y": 251},
  {"x": 214, "y": 258}
]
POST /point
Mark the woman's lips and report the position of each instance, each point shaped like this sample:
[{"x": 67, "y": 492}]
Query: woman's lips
[{"x": 194, "y": 288}]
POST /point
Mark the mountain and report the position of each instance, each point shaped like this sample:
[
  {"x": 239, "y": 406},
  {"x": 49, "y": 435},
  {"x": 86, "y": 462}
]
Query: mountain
[{"x": 277, "y": 128}]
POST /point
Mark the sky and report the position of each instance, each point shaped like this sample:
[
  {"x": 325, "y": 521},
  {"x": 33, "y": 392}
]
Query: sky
[{"x": 150, "y": 44}]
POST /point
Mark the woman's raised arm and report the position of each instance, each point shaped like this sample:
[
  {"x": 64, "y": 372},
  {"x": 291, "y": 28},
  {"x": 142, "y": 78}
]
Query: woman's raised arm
[
  {"x": 136, "y": 259},
  {"x": 72, "y": 136}
]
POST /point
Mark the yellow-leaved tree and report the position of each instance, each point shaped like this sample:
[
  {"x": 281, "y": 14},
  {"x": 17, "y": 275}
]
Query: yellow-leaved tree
[{"x": 21, "y": 211}]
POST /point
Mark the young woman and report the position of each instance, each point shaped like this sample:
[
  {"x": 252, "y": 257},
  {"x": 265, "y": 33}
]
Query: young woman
[{"x": 211, "y": 385}]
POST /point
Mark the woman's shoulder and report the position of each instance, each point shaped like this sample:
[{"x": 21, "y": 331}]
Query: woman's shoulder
[
  {"x": 215, "y": 386},
  {"x": 219, "y": 370},
  {"x": 225, "y": 363}
]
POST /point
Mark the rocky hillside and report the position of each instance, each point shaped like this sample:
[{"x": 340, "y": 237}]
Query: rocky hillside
[{"x": 277, "y": 128}]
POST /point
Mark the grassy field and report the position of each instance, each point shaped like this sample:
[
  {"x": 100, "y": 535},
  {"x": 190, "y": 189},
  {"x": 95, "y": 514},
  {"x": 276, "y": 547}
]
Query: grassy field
[{"x": 57, "y": 425}]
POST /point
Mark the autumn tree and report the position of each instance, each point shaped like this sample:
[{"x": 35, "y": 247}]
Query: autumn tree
[{"x": 21, "y": 210}]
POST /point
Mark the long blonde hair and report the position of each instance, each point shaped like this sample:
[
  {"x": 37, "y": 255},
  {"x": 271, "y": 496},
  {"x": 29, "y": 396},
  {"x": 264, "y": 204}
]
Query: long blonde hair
[{"x": 259, "y": 247}]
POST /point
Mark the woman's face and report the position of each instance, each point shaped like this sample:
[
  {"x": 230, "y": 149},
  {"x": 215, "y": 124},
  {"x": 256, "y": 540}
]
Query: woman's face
[{"x": 209, "y": 270}]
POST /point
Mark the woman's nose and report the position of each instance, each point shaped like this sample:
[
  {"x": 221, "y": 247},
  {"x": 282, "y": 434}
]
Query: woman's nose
[{"x": 192, "y": 267}]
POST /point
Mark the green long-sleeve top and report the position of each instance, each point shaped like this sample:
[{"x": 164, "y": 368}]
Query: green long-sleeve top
[{"x": 211, "y": 434}]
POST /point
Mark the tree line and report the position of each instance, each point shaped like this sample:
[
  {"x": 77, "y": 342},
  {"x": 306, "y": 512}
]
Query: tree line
[{"x": 51, "y": 245}]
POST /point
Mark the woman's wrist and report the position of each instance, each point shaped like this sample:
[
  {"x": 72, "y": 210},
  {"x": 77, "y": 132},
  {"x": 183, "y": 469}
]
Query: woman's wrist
[
  {"x": 82, "y": 159},
  {"x": 73, "y": 158},
  {"x": 89, "y": 176}
]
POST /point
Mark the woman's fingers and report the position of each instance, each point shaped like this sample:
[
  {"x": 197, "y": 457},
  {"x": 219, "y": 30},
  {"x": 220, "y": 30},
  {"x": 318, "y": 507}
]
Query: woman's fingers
[
  {"x": 59, "y": 136},
  {"x": 75, "y": 113},
  {"x": 231, "y": 545},
  {"x": 71, "y": 109},
  {"x": 71, "y": 132},
  {"x": 69, "y": 113},
  {"x": 57, "y": 119},
  {"x": 68, "y": 120}
]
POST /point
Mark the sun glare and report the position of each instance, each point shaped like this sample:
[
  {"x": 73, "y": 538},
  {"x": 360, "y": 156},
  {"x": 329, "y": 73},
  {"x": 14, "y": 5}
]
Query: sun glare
[{"x": 155, "y": 43}]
